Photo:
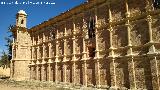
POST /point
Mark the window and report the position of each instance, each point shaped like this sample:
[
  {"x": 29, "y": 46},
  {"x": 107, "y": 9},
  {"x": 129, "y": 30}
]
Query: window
[
  {"x": 22, "y": 21},
  {"x": 156, "y": 4},
  {"x": 91, "y": 27},
  {"x": 91, "y": 51},
  {"x": 52, "y": 34}
]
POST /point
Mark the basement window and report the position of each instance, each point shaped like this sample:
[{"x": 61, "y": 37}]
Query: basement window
[
  {"x": 156, "y": 4},
  {"x": 91, "y": 27}
]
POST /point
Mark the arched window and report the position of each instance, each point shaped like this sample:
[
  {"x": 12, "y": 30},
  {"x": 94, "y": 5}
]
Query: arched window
[
  {"x": 156, "y": 4},
  {"x": 22, "y": 21},
  {"x": 91, "y": 27}
]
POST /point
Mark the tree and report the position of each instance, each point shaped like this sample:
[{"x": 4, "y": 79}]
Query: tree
[
  {"x": 4, "y": 62},
  {"x": 9, "y": 42},
  {"x": 6, "y": 57}
]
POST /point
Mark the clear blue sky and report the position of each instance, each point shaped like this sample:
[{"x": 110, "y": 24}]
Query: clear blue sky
[{"x": 36, "y": 13}]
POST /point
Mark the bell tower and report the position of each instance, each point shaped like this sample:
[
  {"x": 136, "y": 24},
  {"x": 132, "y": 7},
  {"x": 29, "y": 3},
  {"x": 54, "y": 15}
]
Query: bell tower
[
  {"x": 21, "y": 19},
  {"x": 21, "y": 48}
]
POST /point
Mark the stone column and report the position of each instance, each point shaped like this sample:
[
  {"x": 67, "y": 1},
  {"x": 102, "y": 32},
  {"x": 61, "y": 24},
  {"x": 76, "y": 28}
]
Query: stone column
[
  {"x": 84, "y": 54},
  {"x": 32, "y": 66},
  {"x": 152, "y": 47},
  {"x": 34, "y": 71},
  {"x": 43, "y": 71},
  {"x": 73, "y": 57},
  {"x": 49, "y": 62},
  {"x": 32, "y": 53},
  {"x": 33, "y": 49},
  {"x": 37, "y": 70},
  {"x": 38, "y": 49},
  {"x": 43, "y": 63},
  {"x": 111, "y": 54},
  {"x": 38, "y": 52},
  {"x": 37, "y": 62},
  {"x": 56, "y": 60},
  {"x": 97, "y": 51},
  {"x": 49, "y": 70},
  {"x": 149, "y": 20},
  {"x": 30, "y": 71},
  {"x": 56, "y": 71},
  {"x": 129, "y": 52},
  {"x": 44, "y": 38},
  {"x": 155, "y": 72},
  {"x": 64, "y": 58},
  {"x": 154, "y": 60},
  {"x": 64, "y": 73},
  {"x": 38, "y": 56}
]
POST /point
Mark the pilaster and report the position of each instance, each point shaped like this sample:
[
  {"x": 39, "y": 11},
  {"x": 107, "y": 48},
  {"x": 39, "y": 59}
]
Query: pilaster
[
  {"x": 56, "y": 60},
  {"x": 84, "y": 54},
  {"x": 38, "y": 49},
  {"x": 56, "y": 71},
  {"x": 129, "y": 52},
  {"x": 64, "y": 54},
  {"x": 43, "y": 63},
  {"x": 152, "y": 47},
  {"x": 32, "y": 53},
  {"x": 37, "y": 70},
  {"x": 97, "y": 50},
  {"x": 111, "y": 53},
  {"x": 43, "y": 71},
  {"x": 155, "y": 72},
  {"x": 73, "y": 57},
  {"x": 49, "y": 71},
  {"x": 49, "y": 62},
  {"x": 30, "y": 71}
]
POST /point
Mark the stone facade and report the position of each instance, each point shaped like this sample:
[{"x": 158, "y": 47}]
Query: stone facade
[{"x": 102, "y": 43}]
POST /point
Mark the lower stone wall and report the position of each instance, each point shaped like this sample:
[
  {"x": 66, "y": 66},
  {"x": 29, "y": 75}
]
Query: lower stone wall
[
  {"x": 20, "y": 70},
  {"x": 137, "y": 72}
]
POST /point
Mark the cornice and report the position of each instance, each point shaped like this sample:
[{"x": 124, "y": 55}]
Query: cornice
[{"x": 69, "y": 13}]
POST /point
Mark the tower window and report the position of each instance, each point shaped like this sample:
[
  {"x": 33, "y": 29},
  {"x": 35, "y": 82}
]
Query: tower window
[
  {"x": 22, "y": 21},
  {"x": 156, "y": 4},
  {"x": 91, "y": 27}
]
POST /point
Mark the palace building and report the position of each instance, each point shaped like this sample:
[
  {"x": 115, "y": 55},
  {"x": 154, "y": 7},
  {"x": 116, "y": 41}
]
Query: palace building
[{"x": 101, "y": 43}]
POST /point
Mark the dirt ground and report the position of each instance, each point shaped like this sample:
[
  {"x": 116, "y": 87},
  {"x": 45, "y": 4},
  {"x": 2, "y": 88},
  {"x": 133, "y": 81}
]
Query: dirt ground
[{"x": 6, "y": 84}]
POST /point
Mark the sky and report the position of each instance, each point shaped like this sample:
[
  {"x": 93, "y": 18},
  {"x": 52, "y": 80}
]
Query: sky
[{"x": 42, "y": 11}]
